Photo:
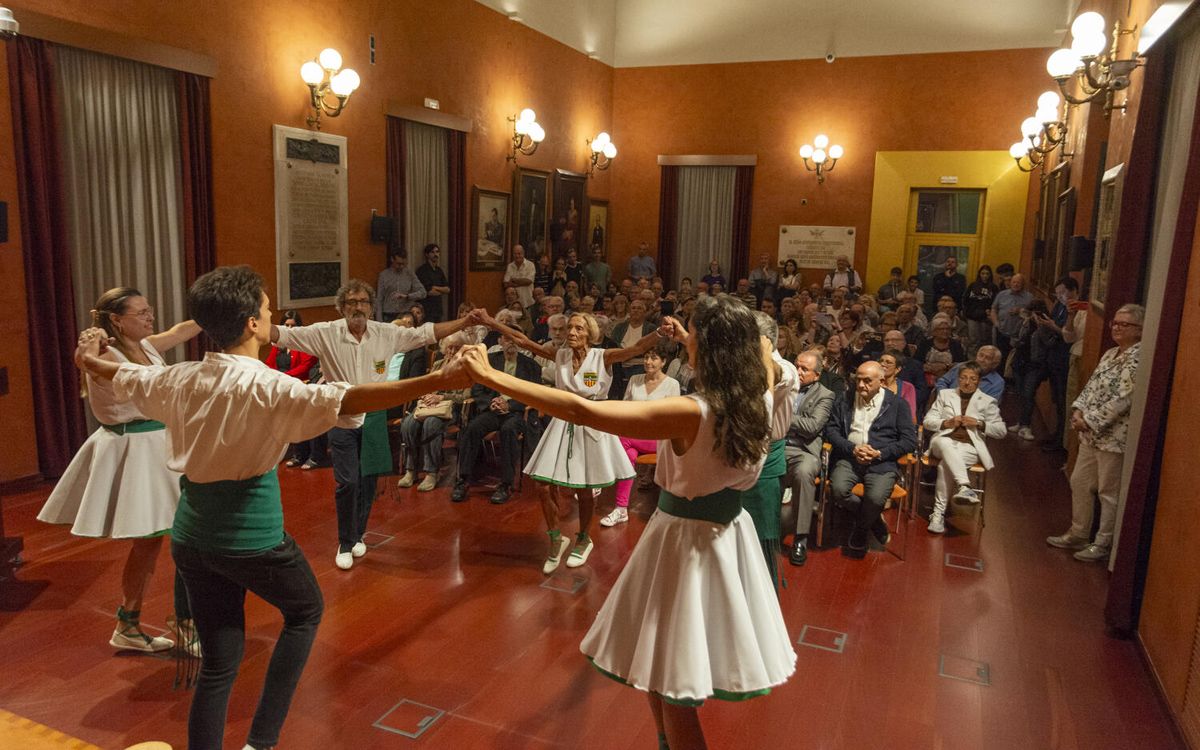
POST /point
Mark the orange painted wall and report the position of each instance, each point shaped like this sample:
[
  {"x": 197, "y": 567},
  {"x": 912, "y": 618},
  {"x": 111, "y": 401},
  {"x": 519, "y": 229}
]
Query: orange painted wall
[
  {"x": 475, "y": 61},
  {"x": 962, "y": 101}
]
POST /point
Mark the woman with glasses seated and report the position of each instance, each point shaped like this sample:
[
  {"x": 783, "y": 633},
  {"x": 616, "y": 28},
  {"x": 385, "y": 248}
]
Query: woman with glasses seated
[
  {"x": 118, "y": 485},
  {"x": 424, "y": 427}
]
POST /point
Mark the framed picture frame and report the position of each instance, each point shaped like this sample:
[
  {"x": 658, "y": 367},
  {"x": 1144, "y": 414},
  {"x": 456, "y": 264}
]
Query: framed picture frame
[
  {"x": 597, "y": 229},
  {"x": 567, "y": 217},
  {"x": 531, "y": 193},
  {"x": 1107, "y": 216},
  {"x": 490, "y": 210},
  {"x": 1063, "y": 228}
]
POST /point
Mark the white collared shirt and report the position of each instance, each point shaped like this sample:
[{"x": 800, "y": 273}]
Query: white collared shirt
[
  {"x": 346, "y": 359},
  {"x": 228, "y": 416},
  {"x": 864, "y": 415},
  {"x": 785, "y": 391},
  {"x": 526, "y": 270}
]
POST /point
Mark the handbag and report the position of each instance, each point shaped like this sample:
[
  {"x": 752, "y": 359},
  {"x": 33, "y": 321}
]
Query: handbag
[{"x": 443, "y": 410}]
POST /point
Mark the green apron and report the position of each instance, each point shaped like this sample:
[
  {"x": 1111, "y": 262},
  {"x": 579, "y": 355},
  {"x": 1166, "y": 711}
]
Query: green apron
[
  {"x": 375, "y": 455},
  {"x": 764, "y": 501},
  {"x": 234, "y": 515}
]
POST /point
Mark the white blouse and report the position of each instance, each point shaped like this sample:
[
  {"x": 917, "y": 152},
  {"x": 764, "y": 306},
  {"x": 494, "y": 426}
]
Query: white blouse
[
  {"x": 104, "y": 404},
  {"x": 636, "y": 389}
]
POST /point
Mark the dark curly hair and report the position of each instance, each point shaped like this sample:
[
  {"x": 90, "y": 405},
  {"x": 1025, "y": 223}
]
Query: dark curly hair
[
  {"x": 222, "y": 300},
  {"x": 731, "y": 377}
]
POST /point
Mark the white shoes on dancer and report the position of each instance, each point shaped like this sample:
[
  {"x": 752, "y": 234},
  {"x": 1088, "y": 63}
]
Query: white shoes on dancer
[
  {"x": 557, "y": 550},
  {"x": 579, "y": 555},
  {"x": 618, "y": 515}
]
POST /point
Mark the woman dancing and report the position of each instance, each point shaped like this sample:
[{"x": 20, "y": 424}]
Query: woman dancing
[
  {"x": 693, "y": 614},
  {"x": 118, "y": 485},
  {"x": 578, "y": 457}
]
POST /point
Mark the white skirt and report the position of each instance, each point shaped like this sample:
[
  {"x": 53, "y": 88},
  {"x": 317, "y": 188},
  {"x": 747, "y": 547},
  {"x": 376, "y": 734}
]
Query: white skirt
[
  {"x": 694, "y": 615},
  {"x": 574, "y": 456},
  {"x": 117, "y": 486}
]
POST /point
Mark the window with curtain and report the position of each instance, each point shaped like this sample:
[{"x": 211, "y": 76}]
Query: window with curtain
[
  {"x": 426, "y": 189},
  {"x": 121, "y": 159},
  {"x": 704, "y": 226}
]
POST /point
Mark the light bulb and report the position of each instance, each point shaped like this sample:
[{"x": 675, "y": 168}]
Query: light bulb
[
  {"x": 527, "y": 115},
  {"x": 1030, "y": 127},
  {"x": 1049, "y": 100},
  {"x": 1090, "y": 44},
  {"x": 330, "y": 59},
  {"x": 536, "y": 133},
  {"x": 819, "y": 156},
  {"x": 597, "y": 146},
  {"x": 344, "y": 83},
  {"x": 836, "y": 151},
  {"x": 521, "y": 127},
  {"x": 806, "y": 151},
  {"x": 603, "y": 138},
  {"x": 1063, "y": 63},
  {"x": 312, "y": 73},
  {"x": 1018, "y": 150},
  {"x": 610, "y": 151},
  {"x": 1090, "y": 22},
  {"x": 1046, "y": 116},
  {"x": 821, "y": 141}
]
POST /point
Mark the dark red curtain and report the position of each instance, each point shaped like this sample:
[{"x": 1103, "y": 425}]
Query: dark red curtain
[
  {"x": 668, "y": 220},
  {"x": 456, "y": 252},
  {"x": 58, "y": 411},
  {"x": 397, "y": 155},
  {"x": 743, "y": 199},
  {"x": 195, "y": 149}
]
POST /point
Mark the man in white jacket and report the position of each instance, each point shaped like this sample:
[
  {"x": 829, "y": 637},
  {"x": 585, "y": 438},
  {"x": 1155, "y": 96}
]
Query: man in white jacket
[{"x": 960, "y": 419}]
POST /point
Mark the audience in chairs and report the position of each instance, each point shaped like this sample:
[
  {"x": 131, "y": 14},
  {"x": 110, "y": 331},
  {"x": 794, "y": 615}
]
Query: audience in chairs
[
  {"x": 961, "y": 419},
  {"x": 869, "y": 430},
  {"x": 991, "y": 381},
  {"x": 424, "y": 428},
  {"x": 814, "y": 403}
]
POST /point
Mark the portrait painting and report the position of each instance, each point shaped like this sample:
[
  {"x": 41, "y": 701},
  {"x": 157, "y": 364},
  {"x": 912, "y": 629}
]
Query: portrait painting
[
  {"x": 597, "y": 226},
  {"x": 489, "y": 229},
  {"x": 532, "y": 191},
  {"x": 566, "y": 225}
]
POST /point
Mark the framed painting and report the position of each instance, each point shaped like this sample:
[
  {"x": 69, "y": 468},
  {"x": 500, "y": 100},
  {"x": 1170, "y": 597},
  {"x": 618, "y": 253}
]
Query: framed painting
[
  {"x": 489, "y": 229},
  {"x": 1106, "y": 234},
  {"x": 566, "y": 225},
  {"x": 597, "y": 227},
  {"x": 531, "y": 190}
]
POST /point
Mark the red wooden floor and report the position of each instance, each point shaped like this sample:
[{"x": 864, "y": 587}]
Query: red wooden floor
[{"x": 451, "y": 613}]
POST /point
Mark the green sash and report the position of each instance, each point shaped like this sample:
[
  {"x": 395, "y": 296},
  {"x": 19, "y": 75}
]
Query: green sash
[
  {"x": 375, "y": 456},
  {"x": 235, "y": 515},
  {"x": 136, "y": 425},
  {"x": 719, "y": 507},
  {"x": 764, "y": 502}
]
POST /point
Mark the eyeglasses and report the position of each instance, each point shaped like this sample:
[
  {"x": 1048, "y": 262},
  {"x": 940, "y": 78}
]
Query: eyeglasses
[
  {"x": 147, "y": 314},
  {"x": 357, "y": 303},
  {"x": 1123, "y": 324}
]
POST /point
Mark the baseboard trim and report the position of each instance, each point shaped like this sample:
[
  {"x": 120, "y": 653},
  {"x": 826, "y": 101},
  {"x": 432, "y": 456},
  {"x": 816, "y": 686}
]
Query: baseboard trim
[
  {"x": 21, "y": 484},
  {"x": 1160, "y": 692}
]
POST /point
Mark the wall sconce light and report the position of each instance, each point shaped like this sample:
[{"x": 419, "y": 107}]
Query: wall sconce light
[
  {"x": 9, "y": 27},
  {"x": 1042, "y": 133},
  {"x": 603, "y": 153},
  {"x": 817, "y": 159},
  {"x": 527, "y": 134},
  {"x": 324, "y": 78},
  {"x": 1086, "y": 64}
]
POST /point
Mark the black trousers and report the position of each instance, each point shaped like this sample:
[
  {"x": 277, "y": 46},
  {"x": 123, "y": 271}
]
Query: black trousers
[
  {"x": 877, "y": 488},
  {"x": 353, "y": 494},
  {"x": 470, "y": 442},
  {"x": 217, "y": 583}
]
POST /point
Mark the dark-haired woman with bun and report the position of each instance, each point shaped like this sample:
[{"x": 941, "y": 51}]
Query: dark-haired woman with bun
[
  {"x": 118, "y": 485},
  {"x": 693, "y": 615}
]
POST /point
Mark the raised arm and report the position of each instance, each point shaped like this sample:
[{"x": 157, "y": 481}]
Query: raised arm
[
  {"x": 643, "y": 345},
  {"x": 664, "y": 419},
  {"x": 89, "y": 351},
  {"x": 519, "y": 338},
  {"x": 377, "y": 396},
  {"x": 174, "y": 336}
]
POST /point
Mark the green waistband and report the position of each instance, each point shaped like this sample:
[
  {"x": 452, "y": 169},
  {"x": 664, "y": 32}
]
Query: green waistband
[
  {"x": 235, "y": 515},
  {"x": 720, "y": 507},
  {"x": 136, "y": 425}
]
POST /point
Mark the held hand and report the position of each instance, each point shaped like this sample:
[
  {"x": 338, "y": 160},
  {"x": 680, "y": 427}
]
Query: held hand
[
  {"x": 454, "y": 373},
  {"x": 863, "y": 453},
  {"x": 968, "y": 422},
  {"x": 475, "y": 363},
  {"x": 92, "y": 343},
  {"x": 951, "y": 423},
  {"x": 1077, "y": 422},
  {"x": 678, "y": 332}
]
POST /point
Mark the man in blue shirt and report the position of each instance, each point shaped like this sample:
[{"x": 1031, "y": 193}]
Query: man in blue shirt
[
  {"x": 641, "y": 266},
  {"x": 1006, "y": 312},
  {"x": 991, "y": 382}
]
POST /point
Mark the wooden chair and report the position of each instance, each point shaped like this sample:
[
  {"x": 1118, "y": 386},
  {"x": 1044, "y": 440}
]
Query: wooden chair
[
  {"x": 977, "y": 474},
  {"x": 899, "y": 499}
]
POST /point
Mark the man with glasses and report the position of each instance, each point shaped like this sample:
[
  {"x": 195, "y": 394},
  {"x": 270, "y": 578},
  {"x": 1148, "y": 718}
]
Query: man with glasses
[
  {"x": 356, "y": 350},
  {"x": 1100, "y": 414}
]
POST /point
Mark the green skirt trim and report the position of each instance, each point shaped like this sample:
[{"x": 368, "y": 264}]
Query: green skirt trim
[
  {"x": 551, "y": 480},
  {"x": 724, "y": 695}
]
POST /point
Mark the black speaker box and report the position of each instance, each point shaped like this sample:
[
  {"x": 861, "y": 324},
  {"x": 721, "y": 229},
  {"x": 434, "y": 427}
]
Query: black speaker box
[{"x": 383, "y": 229}]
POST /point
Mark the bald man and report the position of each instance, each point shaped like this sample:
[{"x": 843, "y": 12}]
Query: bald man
[
  {"x": 991, "y": 381},
  {"x": 868, "y": 430}
]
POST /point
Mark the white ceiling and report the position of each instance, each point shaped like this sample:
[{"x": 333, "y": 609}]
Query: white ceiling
[{"x": 636, "y": 33}]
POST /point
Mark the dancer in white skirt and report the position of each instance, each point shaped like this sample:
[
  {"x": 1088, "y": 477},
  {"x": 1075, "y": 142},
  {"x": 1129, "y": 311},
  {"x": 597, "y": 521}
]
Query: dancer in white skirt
[
  {"x": 575, "y": 456},
  {"x": 693, "y": 614},
  {"x": 118, "y": 485}
]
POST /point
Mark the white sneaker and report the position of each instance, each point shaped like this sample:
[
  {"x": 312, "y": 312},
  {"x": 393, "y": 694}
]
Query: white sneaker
[
  {"x": 344, "y": 560},
  {"x": 556, "y": 554},
  {"x": 579, "y": 555},
  {"x": 618, "y": 515},
  {"x": 406, "y": 480},
  {"x": 129, "y": 637},
  {"x": 428, "y": 483},
  {"x": 937, "y": 523},
  {"x": 1026, "y": 434},
  {"x": 966, "y": 495},
  {"x": 1090, "y": 553},
  {"x": 359, "y": 549},
  {"x": 787, "y": 496},
  {"x": 1066, "y": 541},
  {"x": 1014, "y": 427}
]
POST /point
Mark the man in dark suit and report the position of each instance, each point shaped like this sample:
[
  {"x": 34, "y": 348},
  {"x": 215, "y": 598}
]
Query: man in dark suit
[
  {"x": 868, "y": 430},
  {"x": 495, "y": 413},
  {"x": 623, "y": 334},
  {"x": 813, "y": 406}
]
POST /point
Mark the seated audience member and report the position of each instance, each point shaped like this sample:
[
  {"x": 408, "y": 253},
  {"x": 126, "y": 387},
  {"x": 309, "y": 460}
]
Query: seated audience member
[
  {"x": 651, "y": 385},
  {"x": 620, "y": 313},
  {"x": 991, "y": 381},
  {"x": 790, "y": 344},
  {"x": 1100, "y": 414},
  {"x": 534, "y": 311},
  {"x": 813, "y": 405},
  {"x": 418, "y": 313},
  {"x": 868, "y": 429},
  {"x": 887, "y": 321},
  {"x": 834, "y": 374},
  {"x": 557, "y": 337},
  {"x": 906, "y": 324},
  {"x": 509, "y": 318},
  {"x": 868, "y": 309},
  {"x": 958, "y": 327},
  {"x": 424, "y": 427},
  {"x": 312, "y": 453},
  {"x": 632, "y": 330},
  {"x": 960, "y": 420},
  {"x": 552, "y": 305},
  {"x": 914, "y": 288},
  {"x": 409, "y": 364},
  {"x": 768, "y": 306},
  {"x": 495, "y": 413},
  {"x": 887, "y": 293},
  {"x": 940, "y": 351},
  {"x": 745, "y": 295},
  {"x": 837, "y": 302},
  {"x": 892, "y": 360}
]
